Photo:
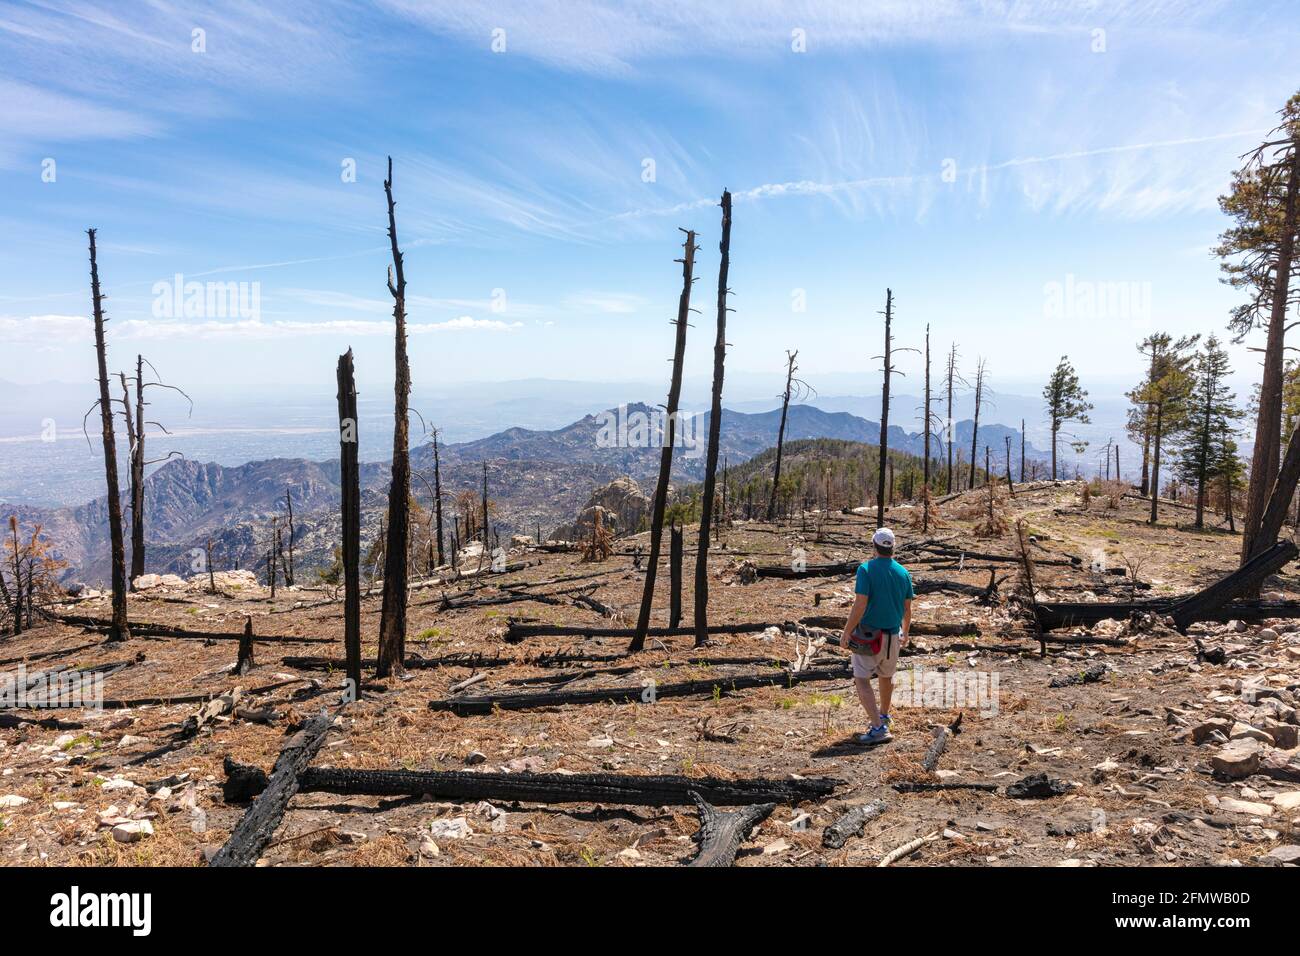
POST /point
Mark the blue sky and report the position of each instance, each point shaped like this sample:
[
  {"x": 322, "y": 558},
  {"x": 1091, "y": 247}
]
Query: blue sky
[{"x": 968, "y": 155}]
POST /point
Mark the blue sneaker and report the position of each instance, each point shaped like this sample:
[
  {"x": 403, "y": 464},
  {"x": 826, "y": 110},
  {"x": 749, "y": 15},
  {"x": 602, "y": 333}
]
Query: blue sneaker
[
  {"x": 876, "y": 735},
  {"x": 887, "y": 721}
]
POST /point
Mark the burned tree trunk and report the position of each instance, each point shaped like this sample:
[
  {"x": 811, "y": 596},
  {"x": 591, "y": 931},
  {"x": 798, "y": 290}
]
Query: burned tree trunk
[
  {"x": 790, "y": 369},
  {"x": 120, "y": 630},
  {"x": 884, "y": 409},
  {"x": 1010, "y": 486},
  {"x": 258, "y": 825},
  {"x": 1283, "y": 492},
  {"x": 1022, "y": 453},
  {"x": 392, "y": 621},
  {"x": 949, "y": 431},
  {"x": 666, "y": 454},
  {"x": 244, "y": 782},
  {"x": 135, "y": 487},
  {"x": 975, "y": 431},
  {"x": 349, "y": 481},
  {"x": 437, "y": 499},
  {"x": 245, "y": 662},
  {"x": 288, "y": 568},
  {"x": 925, "y": 416},
  {"x": 851, "y": 824},
  {"x": 1264, "y": 461},
  {"x": 701, "y": 596},
  {"x": 675, "y": 550},
  {"x": 486, "y": 526},
  {"x": 722, "y": 833}
]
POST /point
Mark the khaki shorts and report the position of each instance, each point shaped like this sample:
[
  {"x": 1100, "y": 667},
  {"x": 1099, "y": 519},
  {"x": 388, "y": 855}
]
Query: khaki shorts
[{"x": 883, "y": 664}]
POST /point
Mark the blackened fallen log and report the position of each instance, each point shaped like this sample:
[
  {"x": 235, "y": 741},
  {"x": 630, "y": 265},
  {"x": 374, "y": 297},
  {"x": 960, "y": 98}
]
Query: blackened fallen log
[
  {"x": 933, "y": 586},
  {"x": 13, "y": 722},
  {"x": 312, "y": 663},
  {"x": 908, "y": 786},
  {"x": 1066, "y": 562},
  {"x": 43, "y": 655},
  {"x": 243, "y": 783},
  {"x": 1240, "y": 583},
  {"x": 517, "y": 631},
  {"x": 259, "y": 823},
  {"x": 1218, "y": 602},
  {"x": 1085, "y": 614},
  {"x": 835, "y": 622},
  {"x": 563, "y": 677},
  {"x": 127, "y": 704},
  {"x": 1089, "y": 675},
  {"x": 141, "y": 629},
  {"x": 805, "y": 570},
  {"x": 648, "y": 694},
  {"x": 941, "y": 738},
  {"x": 851, "y": 824},
  {"x": 474, "y": 660},
  {"x": 721, "y": 833}
]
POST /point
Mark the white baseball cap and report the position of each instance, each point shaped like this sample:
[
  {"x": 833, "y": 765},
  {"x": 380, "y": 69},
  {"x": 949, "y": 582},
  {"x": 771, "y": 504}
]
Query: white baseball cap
[{"x": 883, "y": 538}]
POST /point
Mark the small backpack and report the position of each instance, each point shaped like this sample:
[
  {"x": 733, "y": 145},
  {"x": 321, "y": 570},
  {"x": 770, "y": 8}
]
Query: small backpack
[{"x": 862, "y": 643}]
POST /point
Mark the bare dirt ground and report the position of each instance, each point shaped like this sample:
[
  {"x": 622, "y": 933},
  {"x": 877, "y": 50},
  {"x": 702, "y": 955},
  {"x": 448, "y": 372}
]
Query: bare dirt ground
[{"x": 1138, "y": 788}]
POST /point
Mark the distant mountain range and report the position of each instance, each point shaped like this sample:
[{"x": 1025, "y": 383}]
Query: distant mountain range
[{"x": 536, "y": 478}]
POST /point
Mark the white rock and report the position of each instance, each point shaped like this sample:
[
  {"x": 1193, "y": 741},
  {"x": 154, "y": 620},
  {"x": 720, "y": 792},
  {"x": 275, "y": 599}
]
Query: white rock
[
  {"x": 429, "y": 848},
  {"x": 1233, "y": 805},
  {"x": 1287, "y": 801},
  {"x": 11, "y": 800},
  {"x": 132, "y": 830},
  {"x": 453, "y": 828}
]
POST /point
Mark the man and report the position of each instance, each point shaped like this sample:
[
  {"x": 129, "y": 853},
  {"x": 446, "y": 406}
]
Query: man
[{"x": 876, "y": 630}]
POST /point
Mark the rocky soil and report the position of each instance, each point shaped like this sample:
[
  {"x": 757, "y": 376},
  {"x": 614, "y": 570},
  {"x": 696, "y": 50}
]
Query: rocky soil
[{"x": 1147, "y": 750}]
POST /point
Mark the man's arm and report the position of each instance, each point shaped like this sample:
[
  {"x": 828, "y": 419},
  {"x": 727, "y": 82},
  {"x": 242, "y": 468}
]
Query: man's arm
[
  {"x": 907, "y": 622},
  {"x": 855, "y": 615}
]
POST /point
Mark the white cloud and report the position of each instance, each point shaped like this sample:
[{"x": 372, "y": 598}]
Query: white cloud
[
  {"x": 45, "y": 330},
  {"x": 606, "y": 303}
]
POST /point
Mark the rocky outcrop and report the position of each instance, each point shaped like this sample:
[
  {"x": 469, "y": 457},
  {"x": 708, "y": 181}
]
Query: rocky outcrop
[{"x": 623, "y": 507}]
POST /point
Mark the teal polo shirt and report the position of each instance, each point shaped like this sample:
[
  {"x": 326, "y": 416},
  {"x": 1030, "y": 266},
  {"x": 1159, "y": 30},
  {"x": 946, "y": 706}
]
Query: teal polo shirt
[{"x": 887, "y": 585}]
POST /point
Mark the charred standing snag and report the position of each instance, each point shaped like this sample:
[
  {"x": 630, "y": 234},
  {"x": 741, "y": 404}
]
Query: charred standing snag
[
  {"x": 437, "y": 500},
  {"x": 722, "y": 833},
  {"x": 666, "y": 454},
  {"x": 119, "y": 629},
  {"x": 674, "y": 575},
  {"x": 259, "y": 823},
  {"x": 793, "y": 387},
  {"x": 392, "y": 621},
  {"x": 701, "y": 596},
  {"x": 884, "y": 407},
  {"x": 349, "y": 482},
  {"x": 245, "y": 662},
  {"x": 981, "y": 374}
]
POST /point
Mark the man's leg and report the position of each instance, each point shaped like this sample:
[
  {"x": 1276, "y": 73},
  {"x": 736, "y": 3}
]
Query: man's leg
[
  {"x": 867, "y": 697},
  {"x": 886, "y": 693}
]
